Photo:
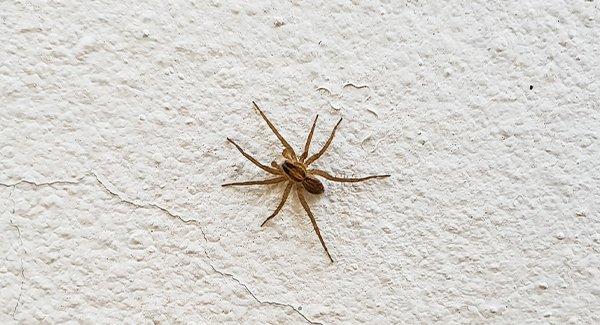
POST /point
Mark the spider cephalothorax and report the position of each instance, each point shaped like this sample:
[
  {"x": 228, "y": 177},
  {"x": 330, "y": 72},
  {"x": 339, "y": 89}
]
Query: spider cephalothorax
[{"x": 296, "y": 172}]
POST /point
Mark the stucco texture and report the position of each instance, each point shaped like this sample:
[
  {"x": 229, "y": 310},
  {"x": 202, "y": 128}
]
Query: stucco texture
[{"x": 114, "y": 118}]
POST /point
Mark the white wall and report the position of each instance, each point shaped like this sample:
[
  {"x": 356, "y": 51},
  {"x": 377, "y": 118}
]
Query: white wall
[{"x": 113, "y": 126}]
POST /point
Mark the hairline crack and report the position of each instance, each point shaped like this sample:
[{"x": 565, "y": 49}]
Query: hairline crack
[
  {"x": 166, "y": 211},
  {"x": 14, "y": 312}
]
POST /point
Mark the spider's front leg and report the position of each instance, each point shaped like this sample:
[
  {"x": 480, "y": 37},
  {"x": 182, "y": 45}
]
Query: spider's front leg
[
  {"x": 268, "y": 169},
  {"x": 316, "y": 156},
  {"x": 258, "y": 182},
  {"x": 308, "y": 140},
  {"x": 285, "y": 144}
]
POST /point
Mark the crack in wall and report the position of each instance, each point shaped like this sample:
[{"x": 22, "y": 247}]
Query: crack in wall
[
  {"x": 14, "y": 312},
  {"x": 272, "y": 303},
  {"x": 166, "y": 211},
  {"x": 49, "y": 183}
]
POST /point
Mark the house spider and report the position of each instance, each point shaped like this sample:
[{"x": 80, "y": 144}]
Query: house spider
[{"x": 296, "y": 172}]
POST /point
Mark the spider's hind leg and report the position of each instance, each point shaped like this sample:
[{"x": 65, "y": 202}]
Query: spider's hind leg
[
  {"x": 330, "y": 177},
  {"x": 312, "y": 220}
]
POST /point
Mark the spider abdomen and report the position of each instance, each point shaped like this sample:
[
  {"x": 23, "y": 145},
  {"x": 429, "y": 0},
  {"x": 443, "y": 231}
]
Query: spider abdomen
[{"x": 313, "y": 185}]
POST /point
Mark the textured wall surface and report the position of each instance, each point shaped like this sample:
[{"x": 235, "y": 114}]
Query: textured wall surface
[{"x": 113, "y": 126}]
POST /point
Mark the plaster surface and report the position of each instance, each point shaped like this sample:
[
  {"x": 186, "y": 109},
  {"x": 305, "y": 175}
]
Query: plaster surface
[{"x": 113, "y": 126}]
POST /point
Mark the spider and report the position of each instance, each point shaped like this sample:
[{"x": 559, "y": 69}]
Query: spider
[{"x": 296, "y": 172}]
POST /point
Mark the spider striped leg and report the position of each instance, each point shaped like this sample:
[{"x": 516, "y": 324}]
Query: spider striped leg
[
  {"x": 316, "y": 156},
  {"x": 328, "y": 176},
  {"x": 312, "y": 220},
  {"x": 308, "y": 140},
  {"x": 254, "y": 161},
  {"x": 286, "y": 193},
  {"x": 279, "y": 136},
  {"x": 258, "y": 182}
]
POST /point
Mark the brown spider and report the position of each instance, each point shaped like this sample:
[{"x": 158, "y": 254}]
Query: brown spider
[{"x": 295, "y": 171}]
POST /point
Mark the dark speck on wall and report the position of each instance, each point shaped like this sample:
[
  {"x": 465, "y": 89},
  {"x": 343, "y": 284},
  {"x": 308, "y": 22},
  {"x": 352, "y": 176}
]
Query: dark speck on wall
[{"x": 530, "y": 87}]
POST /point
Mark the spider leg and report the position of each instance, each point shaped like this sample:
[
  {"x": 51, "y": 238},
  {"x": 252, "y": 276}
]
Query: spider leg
[
  {"x": 272, "y": 127},
  {"x": 316, "y": 156},
  {"x": 259, "y": 182},
  {"x": 312, "y": 220},
  {"x": 286, "y": 193},
  {"x": 308, "y": 140},
  {"x": 328, "y": 176},
  {"x": 254, "y": 161}
]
